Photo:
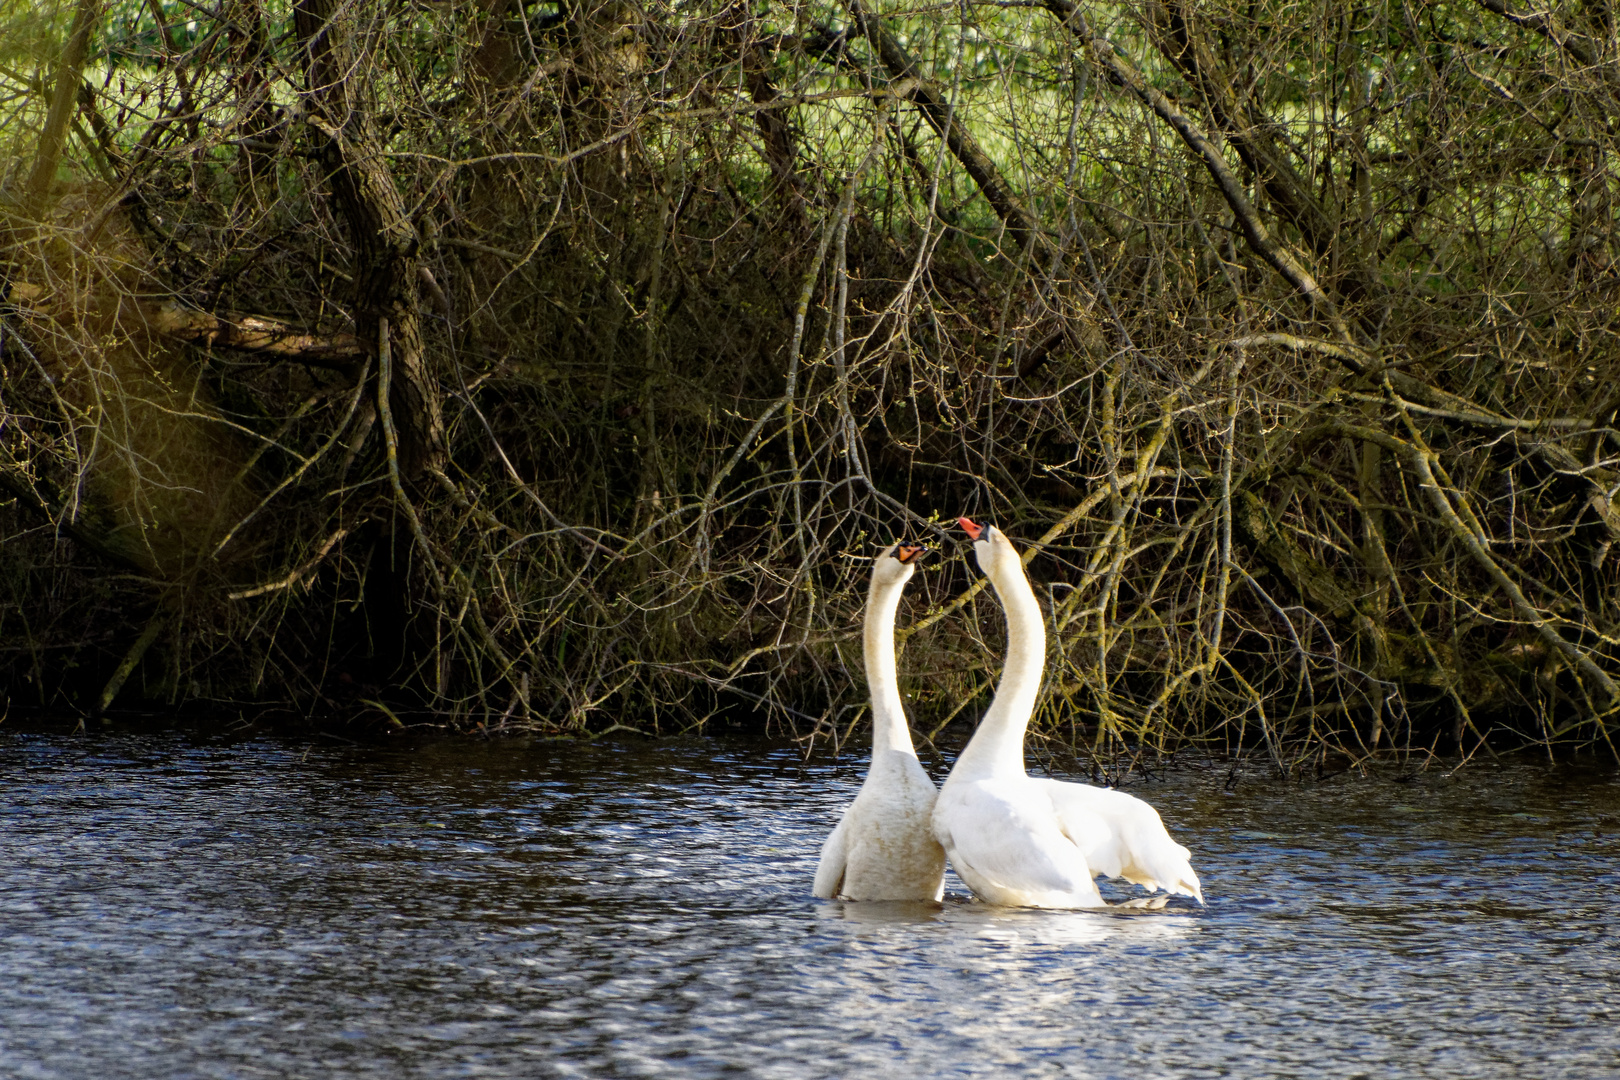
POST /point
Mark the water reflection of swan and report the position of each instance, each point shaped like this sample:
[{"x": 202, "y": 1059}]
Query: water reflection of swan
[
  {"x": 972, "y": 990},
  {"x": 1025, "y": 842},
  {"x": 999, "y": 978},
  {"x": 883, "y": 847},
  {"x": 969, "y": 923},
  {"x": 1060, "y": 929},
  {"x": 893, "y": 913}
]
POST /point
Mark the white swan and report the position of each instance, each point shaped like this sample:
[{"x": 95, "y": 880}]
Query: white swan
[
  {"x": 1023, "y": 841},
  {"x": 884, "y": 847}
]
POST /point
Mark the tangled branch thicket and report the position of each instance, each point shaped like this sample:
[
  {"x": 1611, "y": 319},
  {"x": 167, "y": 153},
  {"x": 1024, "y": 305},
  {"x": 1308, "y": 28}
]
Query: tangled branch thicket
[{"x": 558, "y": 365}]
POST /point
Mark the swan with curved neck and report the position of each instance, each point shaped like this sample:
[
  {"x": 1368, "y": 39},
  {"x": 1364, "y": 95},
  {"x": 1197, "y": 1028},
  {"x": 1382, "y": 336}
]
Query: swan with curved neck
[
  {"x": 1023, "y": 841},
  {"x": 883, "y": 847}
]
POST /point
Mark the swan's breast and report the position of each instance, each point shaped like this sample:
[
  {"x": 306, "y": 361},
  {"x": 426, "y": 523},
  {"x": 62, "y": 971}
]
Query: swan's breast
[{"x": 892, "y": 852}]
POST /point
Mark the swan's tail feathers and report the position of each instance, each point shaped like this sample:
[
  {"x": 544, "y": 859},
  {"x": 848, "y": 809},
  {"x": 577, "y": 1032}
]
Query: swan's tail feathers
[
  {"x": 1123, "y": 836},
  {"x": 1175, "y": 872},
  {"x": 1165, "y": 864},
  {"x": 1188, "y": 885},
  {"x": 1170, "y": 871},
  {"x": 1173, "y": 864}
]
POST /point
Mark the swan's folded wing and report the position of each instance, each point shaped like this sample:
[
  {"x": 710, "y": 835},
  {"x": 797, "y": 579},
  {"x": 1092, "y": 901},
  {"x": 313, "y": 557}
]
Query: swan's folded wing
[
  {"x": 1122, "y": 836},
  {"x": 1007, "y": 843},
  {"x": 834, "y": 855},
  {"x": 1093, "y": 833}
]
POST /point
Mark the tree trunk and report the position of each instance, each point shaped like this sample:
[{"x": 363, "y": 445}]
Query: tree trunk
[{"x": 385, "y": 239}]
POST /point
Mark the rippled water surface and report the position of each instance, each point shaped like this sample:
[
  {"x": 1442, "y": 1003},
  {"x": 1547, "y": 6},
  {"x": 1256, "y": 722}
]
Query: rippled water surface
[{"x": 176, "y": 905}]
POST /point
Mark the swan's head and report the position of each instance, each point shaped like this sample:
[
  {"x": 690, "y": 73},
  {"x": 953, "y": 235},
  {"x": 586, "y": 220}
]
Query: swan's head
[
  {"x": 896, "y": 564},
  {"x": 992, "y": 548}
]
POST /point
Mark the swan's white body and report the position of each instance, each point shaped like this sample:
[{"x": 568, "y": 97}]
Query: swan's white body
[
  {"x": 1021, "y": 841},
  {"x": 883, "y": 847}
]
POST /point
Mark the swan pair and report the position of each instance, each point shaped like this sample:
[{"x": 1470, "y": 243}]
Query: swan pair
[{"x": 1014, "y": 839}]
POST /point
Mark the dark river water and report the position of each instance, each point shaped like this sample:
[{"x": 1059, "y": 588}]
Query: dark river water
[{"x": 178, "y": 905}]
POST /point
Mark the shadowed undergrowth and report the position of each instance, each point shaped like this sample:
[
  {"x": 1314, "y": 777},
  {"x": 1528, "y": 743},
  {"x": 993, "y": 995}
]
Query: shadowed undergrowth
[{"x": 558, "y": 367}]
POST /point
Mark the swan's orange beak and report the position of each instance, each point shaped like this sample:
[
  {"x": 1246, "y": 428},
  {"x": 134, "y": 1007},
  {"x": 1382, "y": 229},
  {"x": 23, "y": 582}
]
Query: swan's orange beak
[
  {"x": 971, "y": 529},
  {"x": 907, "y": 552}
]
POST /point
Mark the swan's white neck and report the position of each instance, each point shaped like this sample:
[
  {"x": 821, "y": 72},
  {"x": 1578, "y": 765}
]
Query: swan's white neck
[
  {"x": 889, "y": 729},
  {"x": 997, "y": 748}
]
